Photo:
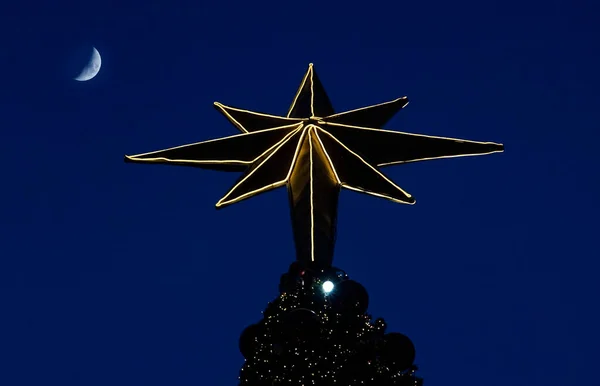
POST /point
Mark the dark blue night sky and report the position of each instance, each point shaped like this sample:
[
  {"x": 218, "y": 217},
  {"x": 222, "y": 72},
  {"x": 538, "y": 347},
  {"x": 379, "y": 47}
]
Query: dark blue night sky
[{"x": 125, "y": 274}]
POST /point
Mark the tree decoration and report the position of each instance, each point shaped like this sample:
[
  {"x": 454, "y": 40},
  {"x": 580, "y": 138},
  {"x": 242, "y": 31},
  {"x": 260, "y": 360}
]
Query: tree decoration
[{"x": 315, "y": 152}]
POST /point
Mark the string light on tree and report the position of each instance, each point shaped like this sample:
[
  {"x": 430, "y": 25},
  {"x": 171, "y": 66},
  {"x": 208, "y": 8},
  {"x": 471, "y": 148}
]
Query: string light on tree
[{"x": 308, "y": 337}]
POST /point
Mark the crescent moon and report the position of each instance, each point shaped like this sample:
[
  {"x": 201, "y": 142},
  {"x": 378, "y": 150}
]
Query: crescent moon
[{"x": 92, "y": 68}]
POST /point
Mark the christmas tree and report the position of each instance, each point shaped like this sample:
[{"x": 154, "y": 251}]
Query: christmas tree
[{"x": 318, "y": 332}]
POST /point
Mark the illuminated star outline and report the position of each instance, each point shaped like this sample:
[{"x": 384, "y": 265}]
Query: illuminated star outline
[{"x": 315, "y": 152}]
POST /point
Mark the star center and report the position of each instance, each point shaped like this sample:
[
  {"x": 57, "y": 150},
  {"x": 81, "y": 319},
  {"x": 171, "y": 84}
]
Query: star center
[{"x": 309, "y": 127}]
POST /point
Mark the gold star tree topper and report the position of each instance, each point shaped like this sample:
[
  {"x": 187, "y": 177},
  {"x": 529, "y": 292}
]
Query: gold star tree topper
[{"x": 314, "y": 152}]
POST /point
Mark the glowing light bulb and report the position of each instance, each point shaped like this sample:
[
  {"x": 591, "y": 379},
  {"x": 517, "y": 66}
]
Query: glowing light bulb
[{"x": 327, "y": 286}]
